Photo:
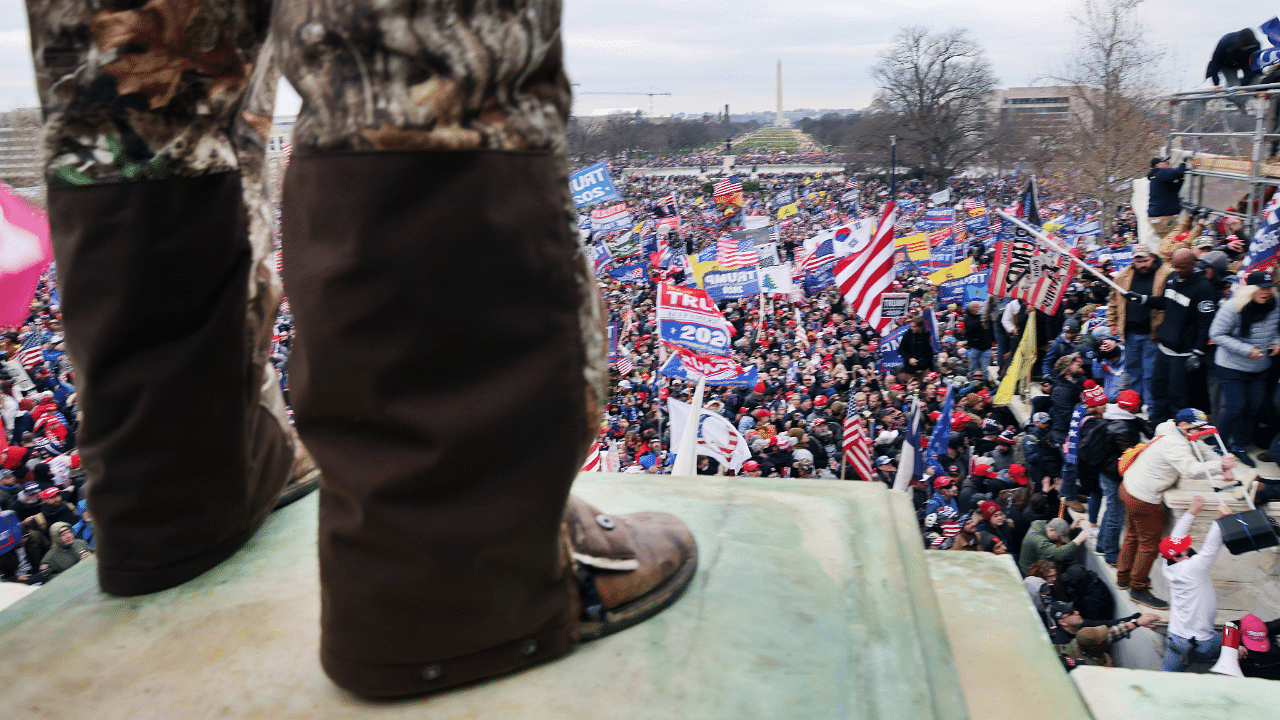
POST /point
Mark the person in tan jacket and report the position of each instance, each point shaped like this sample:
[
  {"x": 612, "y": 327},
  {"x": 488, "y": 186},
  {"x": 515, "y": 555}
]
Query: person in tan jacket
[{"x": 1137, "y": 323}]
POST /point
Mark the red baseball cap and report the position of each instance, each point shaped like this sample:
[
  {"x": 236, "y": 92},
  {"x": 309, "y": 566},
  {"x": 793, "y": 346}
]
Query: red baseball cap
[
  {"x": 1018, "y": 474},
  {"x": 49, "y": 493},
  {"x": 983, "y": 471},
  {"x": 1170, "y": 547},
  {"x": 941, "y": 482},
  {"x": 1253, "y": 633}
]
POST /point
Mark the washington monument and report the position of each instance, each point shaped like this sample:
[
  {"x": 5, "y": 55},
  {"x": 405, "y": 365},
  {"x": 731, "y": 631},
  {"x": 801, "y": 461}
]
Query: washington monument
[{"x": 777, "y": 121}]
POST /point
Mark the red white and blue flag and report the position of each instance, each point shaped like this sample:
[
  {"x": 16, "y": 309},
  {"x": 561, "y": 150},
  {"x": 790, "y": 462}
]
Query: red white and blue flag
[
  {"x": 856, "y": 444},
  {"x": 31, "y": 353},
  {"x": 1266, "y": 242},
  {"x": 729, "y": 191},
  {"x": 865, "y": 275},
  {"x": 733, "y": 253},
  {"x": 716, "y": 370}
]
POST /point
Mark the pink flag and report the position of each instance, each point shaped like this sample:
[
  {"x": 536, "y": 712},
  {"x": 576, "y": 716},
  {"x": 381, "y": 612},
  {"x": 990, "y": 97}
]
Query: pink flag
[{"x": 25, "y": 253}]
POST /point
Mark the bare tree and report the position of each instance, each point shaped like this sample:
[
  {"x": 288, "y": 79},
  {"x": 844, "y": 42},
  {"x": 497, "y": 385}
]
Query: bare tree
[
  {"x": 1116, "y": 130},
  {"x": 938, "y": 87}
]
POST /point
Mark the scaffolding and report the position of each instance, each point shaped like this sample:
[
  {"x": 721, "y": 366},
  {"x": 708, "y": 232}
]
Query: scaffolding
[{"x": 1232, "y": 134}]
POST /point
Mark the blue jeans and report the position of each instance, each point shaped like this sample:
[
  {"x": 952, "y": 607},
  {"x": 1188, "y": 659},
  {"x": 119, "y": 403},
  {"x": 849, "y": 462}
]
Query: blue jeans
[
  {"x": 1139, "y": 363},
  {"x": 1180, "y": 651},
  {"x": 979, "y": 360},
  {"x": 1242, "y": 395},
  {"x": 1002, "y": 344},
  {"x": 1112, "y": 519},
  {"x": 1069, "y": 487}
]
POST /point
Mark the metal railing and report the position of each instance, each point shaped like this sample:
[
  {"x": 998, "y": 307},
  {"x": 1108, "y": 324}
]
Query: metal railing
[{"x": 1241, "y": 123}]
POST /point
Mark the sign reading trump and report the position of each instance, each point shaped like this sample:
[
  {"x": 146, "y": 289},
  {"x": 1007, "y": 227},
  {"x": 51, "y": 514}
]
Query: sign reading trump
[{"x": 689, "y": 317}]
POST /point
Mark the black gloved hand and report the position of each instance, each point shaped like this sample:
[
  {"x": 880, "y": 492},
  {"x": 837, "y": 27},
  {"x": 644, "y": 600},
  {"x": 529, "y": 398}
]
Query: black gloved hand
[
  {"x": 1136, "y": 297},
  {"x": 1194, "y": 362}
]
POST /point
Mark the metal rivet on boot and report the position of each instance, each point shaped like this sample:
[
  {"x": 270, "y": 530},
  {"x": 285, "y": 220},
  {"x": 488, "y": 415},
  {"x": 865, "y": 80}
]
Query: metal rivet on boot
[
  {"x": 528, "y": 647},
  {"x": 604, "y": 521},
  {"x": 312, "y": 34},
  {"x": 432, "y": 673}
]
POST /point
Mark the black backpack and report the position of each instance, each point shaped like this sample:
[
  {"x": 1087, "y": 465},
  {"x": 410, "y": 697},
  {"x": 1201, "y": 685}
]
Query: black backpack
[{"x": 1094, "y": 449}]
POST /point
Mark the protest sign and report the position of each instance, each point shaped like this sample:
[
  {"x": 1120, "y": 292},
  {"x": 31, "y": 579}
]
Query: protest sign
[{"x": 894, "y": 305}]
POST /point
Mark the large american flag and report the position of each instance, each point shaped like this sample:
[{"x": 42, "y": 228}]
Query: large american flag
[
  {"x": 736, "y": 253},
  {"x": 856, "y": 444},
  {"x": 864, "y": 276}
]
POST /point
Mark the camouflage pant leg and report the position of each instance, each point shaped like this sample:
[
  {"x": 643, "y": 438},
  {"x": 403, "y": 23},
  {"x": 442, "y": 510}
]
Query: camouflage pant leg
[
  {"x": 449, "y": 357},
  {"x": 139, "y": 98}
]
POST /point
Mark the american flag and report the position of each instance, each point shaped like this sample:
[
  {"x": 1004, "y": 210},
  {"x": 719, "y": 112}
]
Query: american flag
[
  {"x": 821, "y": 255},
  {"x": 775, "y": 235},
  {"x": 287, "y": 148},
  {"x": 729, "y": 190},
  {"x": 31, "y": 353},
  {"x": 972, "y": 204},
  {"x": 864, "y": 276},
  {"x": 851, "y": 184},
  {"x": 623, "y": 363},
  {"x": 666, "y": 207},
  {"x": 736, "y": 253},
  {"x": 856, "y": 444},
  {"x": 593, "y": 460}
]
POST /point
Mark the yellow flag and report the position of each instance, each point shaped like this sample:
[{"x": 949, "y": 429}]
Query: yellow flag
[
  {"x": 1019, "y": 366},
  {"x": 917, "y": 245},
  {"x": 953, "y": 272},
  {"x": 787, "y": 211}
]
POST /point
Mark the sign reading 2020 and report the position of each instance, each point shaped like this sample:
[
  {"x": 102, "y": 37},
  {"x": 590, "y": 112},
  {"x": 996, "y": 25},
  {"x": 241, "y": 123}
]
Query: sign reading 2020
[
  {"x": 689, "y": 317},
  {"x": 592, "y": 184}
]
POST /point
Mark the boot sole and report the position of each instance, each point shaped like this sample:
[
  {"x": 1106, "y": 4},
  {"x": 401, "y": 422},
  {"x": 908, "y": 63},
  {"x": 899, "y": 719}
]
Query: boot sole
[
  {"x": 1147, "y": 604},
  {"x": 297, "y": 489},
  {"x": 645, "y": 606}
]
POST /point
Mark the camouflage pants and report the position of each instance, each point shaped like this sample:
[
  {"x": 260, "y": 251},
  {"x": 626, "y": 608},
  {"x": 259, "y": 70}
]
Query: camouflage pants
[{"x": 441, "y": 299}]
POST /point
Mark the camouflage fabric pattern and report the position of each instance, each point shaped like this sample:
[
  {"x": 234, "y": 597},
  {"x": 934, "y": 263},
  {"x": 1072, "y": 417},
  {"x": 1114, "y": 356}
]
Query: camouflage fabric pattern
[
  {"x": 135, "y": 91},
  {"x": 432, "y": 75}
]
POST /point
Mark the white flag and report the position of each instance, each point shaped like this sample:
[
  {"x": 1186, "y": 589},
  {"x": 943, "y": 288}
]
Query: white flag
[
  {"x": 717, "y": 438},
  {"x": 941, "y": 196}
]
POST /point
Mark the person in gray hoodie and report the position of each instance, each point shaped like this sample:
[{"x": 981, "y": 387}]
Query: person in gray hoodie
[{"x": 1246, "y": 335}]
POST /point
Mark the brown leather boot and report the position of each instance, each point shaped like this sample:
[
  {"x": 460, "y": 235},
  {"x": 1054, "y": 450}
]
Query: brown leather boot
[{"x": 629, "y": 567}]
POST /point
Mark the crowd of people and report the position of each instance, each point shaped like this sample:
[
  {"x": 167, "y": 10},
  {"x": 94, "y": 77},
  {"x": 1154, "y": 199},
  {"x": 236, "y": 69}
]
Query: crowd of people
[
  {"x": 1186, "y": 339},
  {"x": 711, "y": 160}
]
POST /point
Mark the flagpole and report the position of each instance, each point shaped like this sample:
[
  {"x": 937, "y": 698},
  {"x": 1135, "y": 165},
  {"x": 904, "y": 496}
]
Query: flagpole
[
  {"x": 893, "y": 168},
  {"x": 1044, "y": 239},
  {"x": 686, "y": 459}
]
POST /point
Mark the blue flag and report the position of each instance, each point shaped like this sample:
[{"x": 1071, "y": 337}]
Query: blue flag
[
  {"x": 1266, "y": 242},
  {"x": 592, "y": 184},
  {"x": 931, "y": 324},
  {"x": 1072, "y": 446},
  {"x": 890, "y": 360},
  {"x": 630, "y": 273},
  {"x": 941, "y": 434}
]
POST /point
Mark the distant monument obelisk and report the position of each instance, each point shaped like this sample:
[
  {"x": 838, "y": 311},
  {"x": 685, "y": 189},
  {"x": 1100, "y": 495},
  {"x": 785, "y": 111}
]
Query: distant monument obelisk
[{"x": 777, "y": 121}]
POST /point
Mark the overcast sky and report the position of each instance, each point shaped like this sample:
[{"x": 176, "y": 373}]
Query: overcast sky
[{"x": 713, "y": 52}]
